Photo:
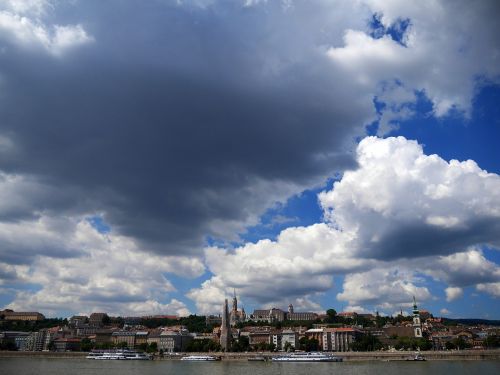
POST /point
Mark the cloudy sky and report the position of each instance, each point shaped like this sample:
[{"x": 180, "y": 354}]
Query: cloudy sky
[{"x": 155, "y": 155}]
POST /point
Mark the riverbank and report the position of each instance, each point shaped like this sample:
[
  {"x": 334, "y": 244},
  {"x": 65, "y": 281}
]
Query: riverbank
[{"x": 454, "y": 355}]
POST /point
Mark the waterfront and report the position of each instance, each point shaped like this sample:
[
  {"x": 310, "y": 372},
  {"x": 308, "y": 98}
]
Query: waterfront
[{"x": 77, "y": 366}]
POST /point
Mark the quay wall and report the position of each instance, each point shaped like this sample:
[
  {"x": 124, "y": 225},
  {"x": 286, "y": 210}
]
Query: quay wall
[{"x": 347, "y": 356}]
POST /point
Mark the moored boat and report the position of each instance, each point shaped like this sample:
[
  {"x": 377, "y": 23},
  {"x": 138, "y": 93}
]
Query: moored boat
[
  {"x": 119, "y": 354},
  {"x": 307, "y": 357},
  {"x": 199, "y": 358}
]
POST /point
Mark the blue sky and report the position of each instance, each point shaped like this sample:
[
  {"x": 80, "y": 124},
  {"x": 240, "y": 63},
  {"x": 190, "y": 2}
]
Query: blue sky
[{"x": 156, "y": 156}]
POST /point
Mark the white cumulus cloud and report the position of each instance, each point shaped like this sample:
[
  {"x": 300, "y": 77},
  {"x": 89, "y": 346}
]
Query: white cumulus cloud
[{"x": 399, "y": 204}]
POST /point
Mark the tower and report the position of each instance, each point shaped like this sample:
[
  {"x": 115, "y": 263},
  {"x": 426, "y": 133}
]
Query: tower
[
  {"x": 225, "y": 329},
  {"x": 417, "y": 325},
  {"x": 290, "y": 308},
  {"x": 235, "y": 302}
]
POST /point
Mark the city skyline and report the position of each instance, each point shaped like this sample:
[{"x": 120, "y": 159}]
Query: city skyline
[{"x": 157, "y": 157}]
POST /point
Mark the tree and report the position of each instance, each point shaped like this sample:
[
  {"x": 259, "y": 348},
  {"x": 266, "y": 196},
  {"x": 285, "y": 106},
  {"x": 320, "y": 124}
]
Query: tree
[
  {"x": 367, "y": 343},
  {"x": 331, "y": 316},
  {"x": 492, "y": 342},
  {"x": 86, "y": 345},
  {"x": 308, "y": 345},
  {"x": 242, "y": 345},
  {"x": 152, "y": 348}
]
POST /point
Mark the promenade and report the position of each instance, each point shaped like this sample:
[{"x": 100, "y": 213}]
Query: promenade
[{"x": 453, "y": 355}]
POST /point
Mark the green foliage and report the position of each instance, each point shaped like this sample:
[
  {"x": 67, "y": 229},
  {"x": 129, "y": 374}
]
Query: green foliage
[
  {"x": 203, "y": 345},
  {"x": 492, "y": 342},
  {"x": 242, "y": 345},
  {"x": 8, "y": 345},
  {"x": 193, "y": 323},
  {"x": 264, "y": 346},
  {"x": 413, "y": 343},
  {"x": 367, "y": 343},
  {"x": 152, "y": 348},
  {"x": 31, "y": 326},
  {"x": 104, "y": 345},
  {"x": 288, "y": 347},
  {"x": 309, "y": 345},
  {"x": 122, "y": 345},
  {"x": 458, "y": 343},
  {"x": 86, "y": 345}
]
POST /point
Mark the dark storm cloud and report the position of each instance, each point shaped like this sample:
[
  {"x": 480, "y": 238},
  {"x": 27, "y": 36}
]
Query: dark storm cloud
[
  {"x": 421, "y": 240},
  {"x": 176, "y": 117}
]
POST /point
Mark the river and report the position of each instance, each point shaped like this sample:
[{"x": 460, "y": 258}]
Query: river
[{"x": 57, "y": 366}]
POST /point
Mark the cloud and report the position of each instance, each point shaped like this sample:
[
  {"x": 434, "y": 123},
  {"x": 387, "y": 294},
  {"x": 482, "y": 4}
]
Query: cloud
[
  {"x": 433, "y": 54},
  {"x": 21, "y": 24},
  {"x": 453, "y": 293},
  {"x": 490, "y": 288},
  {"x": 108, "y": 273},
  {"x": 381, "y": 231},
  {"x": 401, "y": 203},
  {"x": 165, "y": 119},
  {"x": 445, "y": 311},
  {"x": 385, "y": 288},
  {"x": 464, "y": 269}
]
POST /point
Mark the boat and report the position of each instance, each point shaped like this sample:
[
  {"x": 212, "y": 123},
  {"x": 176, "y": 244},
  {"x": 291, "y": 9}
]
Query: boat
[
  {"x": 120, "y": 354},
  {"x": 418, "y": 357},
  {"x": 200, "y": 358},
  {"x": 307, "y": 357}
]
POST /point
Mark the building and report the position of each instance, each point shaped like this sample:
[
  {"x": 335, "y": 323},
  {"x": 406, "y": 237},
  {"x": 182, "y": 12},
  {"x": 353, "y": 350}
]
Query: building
[
  {"x": 14, "y": 338},
  {"x": 275, "y": 338},
  {"x": 141, "y": 337},
  {"x": 213, "y": 320},
  {"x": 22, "y": 342},
  {"x": 171, "y": 341},
  {"x": 67, "y": 344},
  {"x": 339, "y": 339},
  {"x": 154, "y": 337},
  {"x": 103, "y": 336},
  {"x": 225, "y": 329},
  {"x": 315, "y": 334},
  {"x": 36, "y": 341},
  {"x": 268, "y": 316},
  {"x": 78, "y": 321},
  {"x": 259, "y": 337},
  {"x": 125, "y": 338},
  {"x": 277, "y": 315},
  {"x": 236, "y": 316},
  {"x": 20, "y": 316},
  {"x": 98, "y": 319},
  {"x": 291, "y": 315},
  {"x": 291, "y": 337},
  {"x": 417, "y": 324},
  {"x": 50, "y": 335}
]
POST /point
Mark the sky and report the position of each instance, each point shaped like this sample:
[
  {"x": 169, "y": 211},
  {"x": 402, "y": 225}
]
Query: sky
[{"x": 156, "y": 156}]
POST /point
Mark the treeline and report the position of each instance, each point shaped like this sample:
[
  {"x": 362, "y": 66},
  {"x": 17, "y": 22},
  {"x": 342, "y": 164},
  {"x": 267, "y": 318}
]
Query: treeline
[
  {"x": 470, "y": 322},
  {"x": 193, "y": 323},
  {"x": 368, "y": 343},
  {"x": 31, "y": 326}
]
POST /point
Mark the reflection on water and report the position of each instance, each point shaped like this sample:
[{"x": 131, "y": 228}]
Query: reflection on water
[{"x": 46, "y": 366}]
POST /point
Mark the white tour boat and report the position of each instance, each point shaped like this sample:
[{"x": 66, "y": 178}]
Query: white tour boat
[
  {"x": 307, "y": 357},
  {"x": 118, "y": 355},
  {"x": 200, "y": 358}
]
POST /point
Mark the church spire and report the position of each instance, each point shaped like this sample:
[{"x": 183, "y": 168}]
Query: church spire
[
  {"x": 417, "y": 325},
  {"x": 235, "y": 301}
]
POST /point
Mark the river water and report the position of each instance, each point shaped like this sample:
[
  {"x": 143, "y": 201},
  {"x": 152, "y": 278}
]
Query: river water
[{"x": 49, "y": 366}]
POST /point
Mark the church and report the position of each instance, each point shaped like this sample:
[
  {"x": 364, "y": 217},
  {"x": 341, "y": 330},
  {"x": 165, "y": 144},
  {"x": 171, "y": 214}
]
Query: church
[{"x": 236, "y": 316}]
